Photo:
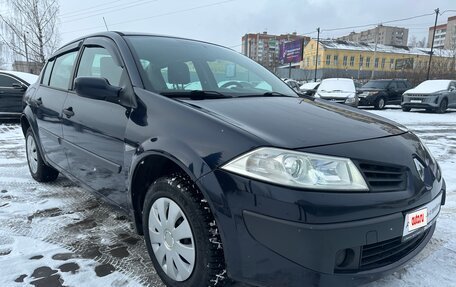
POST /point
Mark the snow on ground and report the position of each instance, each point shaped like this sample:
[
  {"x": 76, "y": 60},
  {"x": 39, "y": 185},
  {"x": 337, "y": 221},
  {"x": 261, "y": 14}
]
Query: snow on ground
[{"x": 58, "y": 234}]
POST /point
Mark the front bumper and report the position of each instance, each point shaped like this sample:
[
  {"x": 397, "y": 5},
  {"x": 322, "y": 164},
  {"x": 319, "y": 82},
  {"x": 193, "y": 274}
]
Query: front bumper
[
  {"x": 278, "y": 249},
  {"x": 279, "y": 236},
  {"x": 367, "y": 100},
  {"x": 421, "y": 102},
  {"x": 352, "y": 102}
]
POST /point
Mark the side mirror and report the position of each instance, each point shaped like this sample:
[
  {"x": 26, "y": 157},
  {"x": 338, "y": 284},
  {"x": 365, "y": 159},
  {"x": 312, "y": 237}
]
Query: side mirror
[
  {"x": 19, "y": 86},
  {"x": 97, "y": 89}
]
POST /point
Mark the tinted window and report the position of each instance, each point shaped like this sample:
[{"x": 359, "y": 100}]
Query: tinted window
[
  {"x": 393, "y": 85},
  {"x": 61, "y": 74},
  {"x": 6, "y": 81},
  {"x": 401, "y": 85},
  {"x": 98, "y": 62},
  {"x": 376, "y": 84},
  {"x": 47, "y": 73}
]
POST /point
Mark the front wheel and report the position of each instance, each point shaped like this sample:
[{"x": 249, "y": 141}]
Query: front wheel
[
  {"x": 443, "y": 106},
  {"x": 380, "y": 103},
  {"x": 39, "y": 170},
  {"x": 181, "y": 234}
]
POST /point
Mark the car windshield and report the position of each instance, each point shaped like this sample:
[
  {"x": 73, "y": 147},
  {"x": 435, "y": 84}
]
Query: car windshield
[
  {"x": 171, "y": 66},
  {"x": 376, "y": 85},
  {"x": 336, "y": 85}
]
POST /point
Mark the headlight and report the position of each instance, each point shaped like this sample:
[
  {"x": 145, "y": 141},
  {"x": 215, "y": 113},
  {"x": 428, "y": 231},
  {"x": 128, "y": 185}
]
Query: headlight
[{"x": 298, "y": 169}]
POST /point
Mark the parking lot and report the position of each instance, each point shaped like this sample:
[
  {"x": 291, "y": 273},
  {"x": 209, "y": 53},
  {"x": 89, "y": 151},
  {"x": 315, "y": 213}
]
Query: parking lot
[{"x": 58, "y": 234}]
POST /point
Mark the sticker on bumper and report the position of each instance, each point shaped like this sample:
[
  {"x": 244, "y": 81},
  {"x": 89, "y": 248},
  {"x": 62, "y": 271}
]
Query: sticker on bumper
[{"x": 421, "y": 217}]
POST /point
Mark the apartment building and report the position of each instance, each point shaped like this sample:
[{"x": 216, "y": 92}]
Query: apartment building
[
  {"x": 386, "y": 35},
  {"x": 445, "y": 35}
]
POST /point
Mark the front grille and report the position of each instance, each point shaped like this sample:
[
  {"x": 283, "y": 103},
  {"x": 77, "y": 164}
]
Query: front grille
[
  {"x": 383, "y": 178},
  {"x": 387, "y": 252}
]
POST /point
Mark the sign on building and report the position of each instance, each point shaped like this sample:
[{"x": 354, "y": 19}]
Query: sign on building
[
  {"x": 290, "y": 52},
  {"x": 404, "y": 64}
]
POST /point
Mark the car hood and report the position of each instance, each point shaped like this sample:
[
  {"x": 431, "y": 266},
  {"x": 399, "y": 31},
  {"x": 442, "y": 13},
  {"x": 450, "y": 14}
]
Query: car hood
[
  {"x": 296, "y": 122},
  {"x": 419, "y": 90}
]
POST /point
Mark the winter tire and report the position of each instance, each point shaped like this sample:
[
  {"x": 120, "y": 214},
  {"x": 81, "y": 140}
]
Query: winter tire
[{"x": 181, "y": 234}]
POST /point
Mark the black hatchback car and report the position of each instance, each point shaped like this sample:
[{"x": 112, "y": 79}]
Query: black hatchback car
[
  {"x": 245, "y": 181},
  {"x": 379, "y": 93}
]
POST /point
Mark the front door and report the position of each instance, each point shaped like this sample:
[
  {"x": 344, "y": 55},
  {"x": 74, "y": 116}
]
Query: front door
[
  {"x": 48, "y": 103},
  {"x": 94, "y": 130}
]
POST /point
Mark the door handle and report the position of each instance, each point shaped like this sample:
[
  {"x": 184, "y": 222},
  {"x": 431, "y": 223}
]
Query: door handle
[{"x": 68, "y": 112}]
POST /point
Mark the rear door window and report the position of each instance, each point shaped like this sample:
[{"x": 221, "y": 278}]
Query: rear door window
[{"x": 62, "y": 71}]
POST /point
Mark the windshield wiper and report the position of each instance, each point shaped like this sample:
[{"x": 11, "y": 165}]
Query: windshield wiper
[
  {"x": 267, "y": 94},
  {"x": 195, "y": 95}
]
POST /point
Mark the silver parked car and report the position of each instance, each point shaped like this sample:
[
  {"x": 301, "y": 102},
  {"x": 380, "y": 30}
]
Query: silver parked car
[{"x": 432, "y": 95}]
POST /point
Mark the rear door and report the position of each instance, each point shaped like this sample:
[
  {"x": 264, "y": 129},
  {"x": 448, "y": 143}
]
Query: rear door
[
  {"x": 47, "y": 104},
  {"x": 11, "y": 92},
  {"x": 94, "y": 130}
]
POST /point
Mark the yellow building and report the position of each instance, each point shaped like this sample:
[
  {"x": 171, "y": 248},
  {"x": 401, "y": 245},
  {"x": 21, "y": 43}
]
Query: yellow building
[{"x": 337, "y": 58}]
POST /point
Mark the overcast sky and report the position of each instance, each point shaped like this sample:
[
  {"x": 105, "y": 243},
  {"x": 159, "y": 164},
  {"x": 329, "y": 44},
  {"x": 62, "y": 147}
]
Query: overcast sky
[{"x": 225, "y": 21}]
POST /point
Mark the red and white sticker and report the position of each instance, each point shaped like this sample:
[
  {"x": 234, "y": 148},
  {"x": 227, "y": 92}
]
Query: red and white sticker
[
  {"x": 417, "y": 219},
  {"x": 422, "y": 217}
]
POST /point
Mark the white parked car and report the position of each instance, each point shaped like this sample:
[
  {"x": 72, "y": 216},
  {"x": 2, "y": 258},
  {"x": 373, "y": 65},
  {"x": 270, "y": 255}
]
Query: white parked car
[
  {"x": 339, "y": 90},
  {"x": 432, "y": 95}
]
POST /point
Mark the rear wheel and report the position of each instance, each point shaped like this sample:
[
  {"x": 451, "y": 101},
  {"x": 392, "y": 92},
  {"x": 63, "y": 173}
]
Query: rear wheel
[
  {"x": 443, "y": 106},
  {"x": 380, "y": 103},
  {"x": 181, "y": 234},
  {"x": 406, "y": 109},
  {"x": 38, "y": 169}
]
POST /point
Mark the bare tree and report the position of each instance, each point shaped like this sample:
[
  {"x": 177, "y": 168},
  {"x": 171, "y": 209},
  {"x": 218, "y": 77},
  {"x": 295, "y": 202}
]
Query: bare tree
[{"x": 30, "y": 29}]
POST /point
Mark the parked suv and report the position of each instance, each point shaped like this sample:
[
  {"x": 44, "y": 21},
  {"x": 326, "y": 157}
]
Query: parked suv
[
  {"x": 379, "y": 93},
  {"x": 249, "y": 182},
  {"x": 432, "y": 95}
]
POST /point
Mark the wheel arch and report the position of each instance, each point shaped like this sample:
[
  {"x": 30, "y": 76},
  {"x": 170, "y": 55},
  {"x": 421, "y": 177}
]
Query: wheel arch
[{"x": 150, "y": 166}]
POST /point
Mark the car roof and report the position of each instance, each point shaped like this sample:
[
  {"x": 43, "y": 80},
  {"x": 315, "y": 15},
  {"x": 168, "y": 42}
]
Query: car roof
[
  {"x": 116, "y": 34},
  {"x": 25, "y": 77}
]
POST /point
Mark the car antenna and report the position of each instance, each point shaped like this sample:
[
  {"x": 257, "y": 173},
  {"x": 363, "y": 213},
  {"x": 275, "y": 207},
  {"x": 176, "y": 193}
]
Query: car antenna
[{"x": 106, "y": 25}]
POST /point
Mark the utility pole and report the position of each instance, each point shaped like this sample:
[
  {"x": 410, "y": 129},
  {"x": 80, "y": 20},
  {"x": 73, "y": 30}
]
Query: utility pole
[
  {"x": 375, "y": 50},
  {"x": 316, "y": 57},
  {"x": 432, "y": 44},
  {"x": 26, "y": 49}
]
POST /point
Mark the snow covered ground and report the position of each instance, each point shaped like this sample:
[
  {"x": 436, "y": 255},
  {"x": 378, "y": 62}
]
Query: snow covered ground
[{"x": 58, "y": 234}]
